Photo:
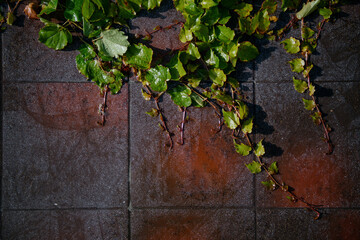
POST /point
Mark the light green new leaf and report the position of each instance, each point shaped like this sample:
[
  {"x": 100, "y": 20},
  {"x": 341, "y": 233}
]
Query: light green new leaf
[
  {"x": 88, "y": 9},
  {"x": 73, "y": 10},
  {"x": 247, "y": 125},
  {"x": 231, "y": 120},
  {"x": 309, "y": 104},
  {"x": 217, "y": 76},
  {"x": 300, "y": 85},
  {"x": 311, "y": 89},
  {"x": 197, "y": 101},
  {"x": 224, "y": 34},
  {"x": 247, "y": 51},
  {"x": 208, "y": 3},
  {"x": 153, "y": 112},
  {"x": 259, "y": 149},
  {"x": 291, "y": 45},
  {"x": 297, "y": 65},
  {"x": 181, "y": 95},
  {"x": 145, "y": 95},
  {"x": 270, "y": 185},
  {"x": 242, "y": 109},
  {"x": 254, "y": 167},
  {"x": 112, "y": 43},
  {"x": 307, "y": 9},
  {"x": 273, "y": 169},
  {"x": 139, "y": 56},
  {"x": 55, "y": 36},
  {"x": 10, "y": 18},
  {"x": 242, "y": 149},
  {"x": 193, "y": 51},
  {"x": 243, "y": 9},
  {"x": 325, "y": 12},
  {"x": 185, "y": 35},
  {"x": 307, "y": 32},
  {"x": 157, "y": 77},
  {"x": 270, "y": 5}
]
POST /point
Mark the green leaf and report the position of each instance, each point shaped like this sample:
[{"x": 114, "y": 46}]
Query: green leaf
[
  {"x": 254, "y": 167},
  {"x": 139, "y": 56},
  {"x": 81, "y": 64},
  {"x": 297, "y": 65},
  {"x": 247, "y": 125},
  {"x": 242, "y": 109},
  {"x": 270, "y": 185},
  {"x": 201, "y": 32},
  {"x": 211, "y": 16},
  {"x": 100, "y": 4},
  {"x": 10, "y": 18},
  {"x": 55, "y": 36},
  {"x": 307, "y": 70},
  {"x": 231, "y": 120},
  {"x": 291, "y": 45},
  {"x": 73, "y": 10},
  {"x": 289, "y": 4},
  {"x": 87, "y": 51},
  {"x": 264, "y": 21},
  {"x": 325, "y": 12},
  {"x": 208, "y": 3},
  {"x": 97, "y": 75},
  {"x": 193, "y": 9},
  {"x": 223, "y": 97},
  {"x": 316, "y": 117},
  {"x": 242, "y": 149},
  {"x": 243, "y": 9},
  {"x": 300, "y": 85},
  {"x": 307, "y": 9},
  {"x": 217, "y": 76},
  {"x": 176, "y": 68},
  {"x": 153, "y": 112},
  {"x": 273, "y": 169},
  {"x": 307, "y": 32},
  {"x": 116, "y": 85},
  {"x": 145, "y": 95},
  {"x": 88, "y": 9},
  {"x": 259, "y": 149},
  {"x": 270, "y": 5},
  {"x": 112, "y": 43},
  {"x": 211, "y": 58},
  {"x": 157, "y": 77},
  {"x": 309, "y": 104},
  {"x": 247, "y": 51},
  {"x": 224, "y": 34},
  {"x": 50, "y": 7},
  {"x": 193, "y": 51},
  {"x": 185, "y": 35},
  {"x": 311, "y": 89},
  {"x": 181, "y": 95},
  {"x": 197, "y": 101}
]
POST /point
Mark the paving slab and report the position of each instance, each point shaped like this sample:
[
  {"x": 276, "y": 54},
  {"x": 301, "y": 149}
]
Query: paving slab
[
  {"x": 55, "y": 155},
  {"x": 65, "y": 224},
  {"x": 205, "y": 171},
  {"x": 328, "y": 180},
  {"x": 164, "y": 224},
  {"x": 25, "y": 59},
  {"x": 294, "y": 224},
  {"x": 336, "y": 59}
]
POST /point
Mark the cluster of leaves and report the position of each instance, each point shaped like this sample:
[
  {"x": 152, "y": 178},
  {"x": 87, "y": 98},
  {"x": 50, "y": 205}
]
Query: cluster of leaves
[{"x": 217, "y": 34}]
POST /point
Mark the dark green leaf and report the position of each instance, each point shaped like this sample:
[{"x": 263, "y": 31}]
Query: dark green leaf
[
  {"x": 307, "y": 9},
  {"x": 211, "y": 16},
  {"x": 254, "y": 167},
  {"x": 88, "y": 9},
  {"x": 242, "y": 149},
  {"x": 193, "y": 51},
  {"x": 291, "y": 45},
  {"x": 185, "y": 35},
  {"x": 197, "y": 101},
  {"x": 242, "y": 109},
  {"x": 73, "y": 10},
  {"x": 247, "y": 51},
  {"x": 224, "y": 34},
  {"x": 316, "y": 117},
  {"x": 247, "y": 125},
  {"x": 139, "y": 56},
  {"x": 157, "y": 77},
  {"x": 201, "y": 32},
  {"x": 325, "y": 12},
  {"x": 87, "y": 51},
  {"x": 55, "y": 36},
  {"x": 289, "y": 4},
  {"x": 307, "y": 70},
  {"x": 211, "y": 58},
  {"x": 273, "y": 169},
  {"x": 116, "y": 85},
  {"x": 223, "y": 97},
  {"x": 231, "y": 120},
  {"x": 193, "y": 9},
  {"x": 264, "y": 21},
  {"x": 300, "y": 85},
  {"x": 50, "y": 7},
  {"x": 297, "y": 65},
  {"x": 180, "y": 95},
  {"x": 177, "y": 70},
  {"x": 217, "y": 76},
  {"x": 270, "y": 5},
  {"x": 259, "y": 149},
  {"x": 307, "y": 32},
  {"x": 243, "y": 9},
  {"x": 309, "y": 104}
]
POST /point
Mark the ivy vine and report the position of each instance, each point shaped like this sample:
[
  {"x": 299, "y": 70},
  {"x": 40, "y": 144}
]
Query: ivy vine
[{"x": 217, "y": 34}]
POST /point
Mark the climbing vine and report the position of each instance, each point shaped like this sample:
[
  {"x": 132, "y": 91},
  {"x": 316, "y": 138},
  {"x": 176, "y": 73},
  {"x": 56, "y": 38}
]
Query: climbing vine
[{"x": 216, "y": 35}]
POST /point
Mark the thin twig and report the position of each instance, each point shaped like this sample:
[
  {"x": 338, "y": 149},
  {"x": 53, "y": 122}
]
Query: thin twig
[
  {"x": 182, "y": 126},
  {"x": 103, "y": 106}
]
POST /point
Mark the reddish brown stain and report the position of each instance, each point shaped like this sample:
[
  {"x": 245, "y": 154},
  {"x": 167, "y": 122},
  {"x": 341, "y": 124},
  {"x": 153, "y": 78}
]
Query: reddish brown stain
[{"x": 345, "y": 225}]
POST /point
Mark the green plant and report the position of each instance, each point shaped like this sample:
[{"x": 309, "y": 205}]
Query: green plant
[{"x": 216, "y": 35}]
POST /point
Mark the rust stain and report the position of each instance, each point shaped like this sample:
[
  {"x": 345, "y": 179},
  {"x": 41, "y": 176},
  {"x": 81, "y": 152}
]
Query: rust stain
[{"x": 345, "y": 225}]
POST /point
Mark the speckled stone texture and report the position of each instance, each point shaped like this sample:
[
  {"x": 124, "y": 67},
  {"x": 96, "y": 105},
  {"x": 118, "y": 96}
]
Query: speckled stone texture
[{"x": 66, "y": 177}]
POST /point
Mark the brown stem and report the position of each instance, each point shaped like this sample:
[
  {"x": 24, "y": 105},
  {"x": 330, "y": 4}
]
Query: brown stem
[
  {"x": 182, "y": 126},
  {"x": 162, "y": 28},
  {"x": 320, "y": 28},
  {"x": 103, "y": 106}
]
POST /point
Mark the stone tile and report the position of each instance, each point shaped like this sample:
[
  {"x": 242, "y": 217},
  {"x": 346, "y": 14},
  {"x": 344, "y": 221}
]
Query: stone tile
[
  {"x": 26, "y": 59},
  {"x": 65, "y": 224},
  {"x": 54, "y": 152},
  {"x": 338, "y": 52},
  {"x": 193, "y": 224},
  {"x": 205, "y": 171},
  {"x": 298, "y": 224},
  {"x": 328, "y": 180}
]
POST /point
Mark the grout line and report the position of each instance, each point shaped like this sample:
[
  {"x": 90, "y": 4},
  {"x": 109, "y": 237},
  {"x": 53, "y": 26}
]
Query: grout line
[
  {"x": 254, "y": 175},
  {"x": 1, "y": 134},
  {"x": 129, "y": 162}
]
